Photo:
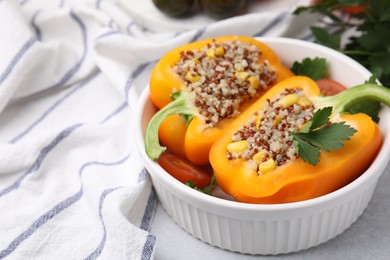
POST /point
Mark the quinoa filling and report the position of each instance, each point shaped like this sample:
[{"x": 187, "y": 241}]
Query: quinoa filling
[
  {"x": 221, "y": 76},
  {"x": 264, "y": 140}
]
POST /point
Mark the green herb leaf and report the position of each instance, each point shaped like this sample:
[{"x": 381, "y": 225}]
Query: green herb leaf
[
  {"x": 379, "y": 64},
  {"x": 320, "y": 118},
  {"x": 308, "y": 152},
  {"x": 352, "y": 2},
  {"x": 191, "y": 184},
  {"x": 329, "y": 137},
  {"x": 368, "y": 107},
  {"x": 207, "y": 190},
  {"x": 366, "y": 34},
  {"x": 376, "y": 37},
  {"x": 325, "y": 38},
  {"x": 382, "y": 8},
  {"x": 371, "y": 80},
  {"x": 313, "y": 68},
  {"x": 318, "y": 135},
  {"x": 187, "y": 118}
]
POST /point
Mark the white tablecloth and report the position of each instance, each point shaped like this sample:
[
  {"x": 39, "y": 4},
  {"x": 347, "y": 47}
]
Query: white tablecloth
[{"x": 72, "y": 185}]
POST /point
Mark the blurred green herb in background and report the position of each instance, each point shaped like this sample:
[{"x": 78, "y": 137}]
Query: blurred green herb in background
[{"x": 369, "y": 44}]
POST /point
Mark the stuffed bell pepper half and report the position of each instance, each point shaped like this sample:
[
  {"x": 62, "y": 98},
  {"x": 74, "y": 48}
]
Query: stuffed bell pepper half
[
  {"x": 293, "y": 144},
  {"x": 201, "y": 87}
]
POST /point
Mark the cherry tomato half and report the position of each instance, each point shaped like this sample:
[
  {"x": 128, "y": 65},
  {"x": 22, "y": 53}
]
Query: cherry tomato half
[
  {"x": 329, "y": 87},
  {"x": 183, "y": 170}
]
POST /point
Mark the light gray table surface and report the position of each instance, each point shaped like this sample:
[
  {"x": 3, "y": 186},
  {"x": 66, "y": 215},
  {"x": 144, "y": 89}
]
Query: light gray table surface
[{"x": 367, "y": 238}]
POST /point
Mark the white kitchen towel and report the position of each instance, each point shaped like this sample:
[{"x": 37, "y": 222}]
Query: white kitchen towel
[{"x": 72, "y": 185}]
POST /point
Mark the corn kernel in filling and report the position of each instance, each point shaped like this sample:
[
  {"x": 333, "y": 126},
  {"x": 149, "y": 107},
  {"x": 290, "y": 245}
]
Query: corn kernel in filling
[
  {"x": 222, "y": 75},
  {"x": 266, "y": 133}
]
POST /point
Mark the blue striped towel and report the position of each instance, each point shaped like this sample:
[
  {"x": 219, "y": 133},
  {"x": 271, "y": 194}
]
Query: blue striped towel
[{"x": 71, "y": 183}]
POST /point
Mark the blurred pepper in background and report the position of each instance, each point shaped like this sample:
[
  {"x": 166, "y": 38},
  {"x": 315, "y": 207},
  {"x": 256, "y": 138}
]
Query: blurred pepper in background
[
  {"x": 217, "y": 9},
  {"x": 220, "y": 9},
  {"x": 174, "y": 8}
]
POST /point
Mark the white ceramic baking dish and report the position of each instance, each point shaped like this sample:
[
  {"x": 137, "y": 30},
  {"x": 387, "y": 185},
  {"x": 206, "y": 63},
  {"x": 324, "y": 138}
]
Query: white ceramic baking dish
[{"x": 270, "y": 229}]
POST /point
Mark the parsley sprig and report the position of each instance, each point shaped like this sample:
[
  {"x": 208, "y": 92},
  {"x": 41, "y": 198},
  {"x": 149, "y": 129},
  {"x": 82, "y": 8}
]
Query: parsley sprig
[
  {"x": 314, "y": 68},
  {"x": 369, "y": 45},
  {"x": 364, "y": 36},
  {"x": 319, "y": 134}
]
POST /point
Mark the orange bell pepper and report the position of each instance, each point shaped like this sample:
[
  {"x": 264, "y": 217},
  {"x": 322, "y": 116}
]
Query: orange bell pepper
[
  {"x": 171, "y": 134},
  {"x": 194, "y": 140},
  {"x": 297, "y": 180},
  {"x": 163, "y": 80}
]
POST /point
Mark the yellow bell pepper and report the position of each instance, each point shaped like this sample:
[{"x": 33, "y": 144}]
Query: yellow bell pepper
[
  {"x": 297, "y": 180},
  {"x": 194, "y": 140}
]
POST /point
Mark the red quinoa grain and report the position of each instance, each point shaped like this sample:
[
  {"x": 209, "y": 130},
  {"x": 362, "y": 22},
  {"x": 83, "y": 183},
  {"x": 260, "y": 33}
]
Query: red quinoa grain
[{"x": 275, "y": 139}]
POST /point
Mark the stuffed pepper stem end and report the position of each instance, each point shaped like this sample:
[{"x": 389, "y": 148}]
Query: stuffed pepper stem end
[
  {"x": 180, "y": 106},
  {"x": 345, "y": 99}
]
